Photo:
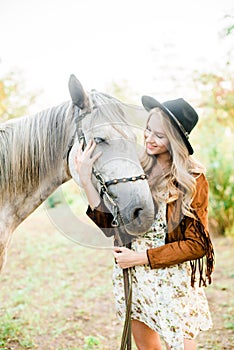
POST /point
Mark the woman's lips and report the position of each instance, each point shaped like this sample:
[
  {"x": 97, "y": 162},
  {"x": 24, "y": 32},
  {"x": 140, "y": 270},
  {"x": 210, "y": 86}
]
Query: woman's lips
[{"x": 149, "y": 146}]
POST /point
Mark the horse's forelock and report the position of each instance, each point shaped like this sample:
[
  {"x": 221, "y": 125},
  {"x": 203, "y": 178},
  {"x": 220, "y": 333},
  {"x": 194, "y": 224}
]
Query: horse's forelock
[{"x": 109, "y": 110}]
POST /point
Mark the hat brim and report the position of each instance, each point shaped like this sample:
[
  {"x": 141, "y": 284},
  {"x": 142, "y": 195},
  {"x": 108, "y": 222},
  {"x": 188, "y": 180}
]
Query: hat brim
[{"x": 150, "y": 103}]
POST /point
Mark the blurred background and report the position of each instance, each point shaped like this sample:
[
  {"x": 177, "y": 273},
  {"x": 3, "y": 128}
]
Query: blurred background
[
  {"x": 161, "y": 48},
  {"x": 167, "y": 49}
]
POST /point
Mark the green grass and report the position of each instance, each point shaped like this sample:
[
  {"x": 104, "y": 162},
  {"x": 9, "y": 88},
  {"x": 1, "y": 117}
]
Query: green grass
[
  {"x": 13, "y": 331},
  {"x": 50, "y": 288}
]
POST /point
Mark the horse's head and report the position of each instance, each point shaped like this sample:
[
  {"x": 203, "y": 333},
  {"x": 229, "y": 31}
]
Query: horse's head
[{"x": 100, "y": 117}]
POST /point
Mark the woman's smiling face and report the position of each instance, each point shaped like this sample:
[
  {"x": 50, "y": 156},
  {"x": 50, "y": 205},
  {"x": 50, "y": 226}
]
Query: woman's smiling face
[{"x": 156, "y": 140}]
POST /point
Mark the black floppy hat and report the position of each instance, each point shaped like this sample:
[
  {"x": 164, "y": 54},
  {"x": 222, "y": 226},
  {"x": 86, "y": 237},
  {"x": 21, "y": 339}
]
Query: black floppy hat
[{"x": 181, "y": 113}]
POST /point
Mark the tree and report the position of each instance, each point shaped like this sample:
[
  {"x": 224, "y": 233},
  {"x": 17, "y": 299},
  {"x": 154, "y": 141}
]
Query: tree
[
  {"x": 215, "y": 139},
  {"x": 14, "y": 99}
]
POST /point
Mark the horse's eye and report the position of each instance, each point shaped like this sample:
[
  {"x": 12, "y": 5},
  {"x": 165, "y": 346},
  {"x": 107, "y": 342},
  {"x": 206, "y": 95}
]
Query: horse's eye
[{"x": 98, "y": 140}]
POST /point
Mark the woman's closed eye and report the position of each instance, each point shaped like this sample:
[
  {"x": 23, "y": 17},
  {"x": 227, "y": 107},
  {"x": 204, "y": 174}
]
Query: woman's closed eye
[
  {"x": 155, "y": 134},
  {"x": 159, "y": 136}
]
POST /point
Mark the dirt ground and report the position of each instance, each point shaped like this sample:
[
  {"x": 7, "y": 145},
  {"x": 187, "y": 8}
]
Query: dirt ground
[{"x": 57, "y": 295}]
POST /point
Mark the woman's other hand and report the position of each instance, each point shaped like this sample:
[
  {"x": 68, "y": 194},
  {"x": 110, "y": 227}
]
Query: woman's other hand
[
  {"x": 125, "y": 257},
  {"x": 84, "y": 161}
]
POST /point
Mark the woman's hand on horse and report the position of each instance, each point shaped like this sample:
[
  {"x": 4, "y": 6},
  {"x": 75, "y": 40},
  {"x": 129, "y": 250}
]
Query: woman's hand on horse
[
  {"x": 125, "y": 257},
  {"x": 84, "y": 161}
]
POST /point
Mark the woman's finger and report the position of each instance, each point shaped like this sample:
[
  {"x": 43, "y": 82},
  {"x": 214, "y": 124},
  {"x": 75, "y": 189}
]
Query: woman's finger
[
  {"x": 87, "y": 148},
  {"x": 95, "y": 157},
  {"x": 80, "y": 147},
  {"x": 91, "y": 148}
]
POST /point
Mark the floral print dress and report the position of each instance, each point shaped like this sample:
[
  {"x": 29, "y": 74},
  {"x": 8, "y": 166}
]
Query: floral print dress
[{"x": 163, "y": 298}]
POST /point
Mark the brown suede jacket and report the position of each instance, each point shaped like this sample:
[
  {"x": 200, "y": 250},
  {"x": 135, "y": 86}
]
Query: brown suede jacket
[{"x": 187, "y": 238}]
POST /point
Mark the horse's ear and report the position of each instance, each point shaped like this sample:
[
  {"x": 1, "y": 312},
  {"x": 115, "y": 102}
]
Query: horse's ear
[{"x": 77, "y": 93}]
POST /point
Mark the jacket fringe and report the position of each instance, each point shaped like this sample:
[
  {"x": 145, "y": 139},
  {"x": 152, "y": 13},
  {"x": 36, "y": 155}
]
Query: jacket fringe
[{"x": 205, "y": 265}]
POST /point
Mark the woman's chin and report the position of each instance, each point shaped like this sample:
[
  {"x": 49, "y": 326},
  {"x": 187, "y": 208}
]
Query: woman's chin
[{"x": 150, "y": 152}]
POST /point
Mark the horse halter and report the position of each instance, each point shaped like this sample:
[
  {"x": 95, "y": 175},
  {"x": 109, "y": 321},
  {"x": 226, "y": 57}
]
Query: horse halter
[{"x": 103, "y": 184}]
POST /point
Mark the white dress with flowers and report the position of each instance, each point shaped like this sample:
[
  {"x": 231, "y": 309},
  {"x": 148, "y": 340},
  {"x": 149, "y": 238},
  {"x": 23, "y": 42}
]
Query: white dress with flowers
[{"x": 163, "y": 298}]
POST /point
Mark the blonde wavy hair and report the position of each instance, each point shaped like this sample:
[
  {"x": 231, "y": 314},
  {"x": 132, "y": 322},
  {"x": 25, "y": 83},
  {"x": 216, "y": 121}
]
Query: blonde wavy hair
[{"x": 180, "y": 177}]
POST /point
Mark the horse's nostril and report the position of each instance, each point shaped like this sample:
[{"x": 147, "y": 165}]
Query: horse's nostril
[{"x": 136, "y": 213}]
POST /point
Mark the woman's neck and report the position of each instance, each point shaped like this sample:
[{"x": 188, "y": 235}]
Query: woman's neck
[
  {"x": 161, "y": 167},
  {"x": 164, "y": 161}
]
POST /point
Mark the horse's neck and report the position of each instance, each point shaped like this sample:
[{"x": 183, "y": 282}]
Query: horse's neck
[{"x": 25, "y": 200}]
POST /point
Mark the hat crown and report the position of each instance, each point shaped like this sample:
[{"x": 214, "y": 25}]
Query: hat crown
[{"x": 183, "y": 112}]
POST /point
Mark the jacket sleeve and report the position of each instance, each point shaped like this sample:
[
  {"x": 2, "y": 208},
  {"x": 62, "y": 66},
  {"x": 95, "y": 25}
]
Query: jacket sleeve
[
  {"x": 192, "y": 242},
  {"x": 102, "y": 217}
]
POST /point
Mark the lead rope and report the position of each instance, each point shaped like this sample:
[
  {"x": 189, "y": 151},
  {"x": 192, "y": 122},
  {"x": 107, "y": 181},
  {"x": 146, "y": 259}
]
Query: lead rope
[{"x": 126, "y": 340}]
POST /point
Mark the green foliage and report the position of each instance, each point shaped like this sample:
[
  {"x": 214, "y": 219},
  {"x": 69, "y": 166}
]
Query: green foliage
[
  {"x": 221, "y": 180},
  {"x": 215, "y": 139},
  {"x": 71, "y": 194},
  {"x": 217, "y": 91},
  {"x": 53, "y": 200},
  {"x": 14, "y": 99},
  {"x": 229, "y": 28}
]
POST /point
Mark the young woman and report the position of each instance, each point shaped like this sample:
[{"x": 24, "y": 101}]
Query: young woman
[{"x": 172, "y": 261}]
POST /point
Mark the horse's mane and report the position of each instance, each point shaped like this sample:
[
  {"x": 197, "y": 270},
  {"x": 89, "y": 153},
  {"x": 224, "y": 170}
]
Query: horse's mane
[
  {"x": 108, "y": 106},
  {"x": 30, "y": 146}
]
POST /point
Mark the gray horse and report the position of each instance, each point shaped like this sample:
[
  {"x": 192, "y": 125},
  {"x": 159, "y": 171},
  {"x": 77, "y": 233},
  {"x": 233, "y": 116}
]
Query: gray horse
[{"x": 37, "y": 155}]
